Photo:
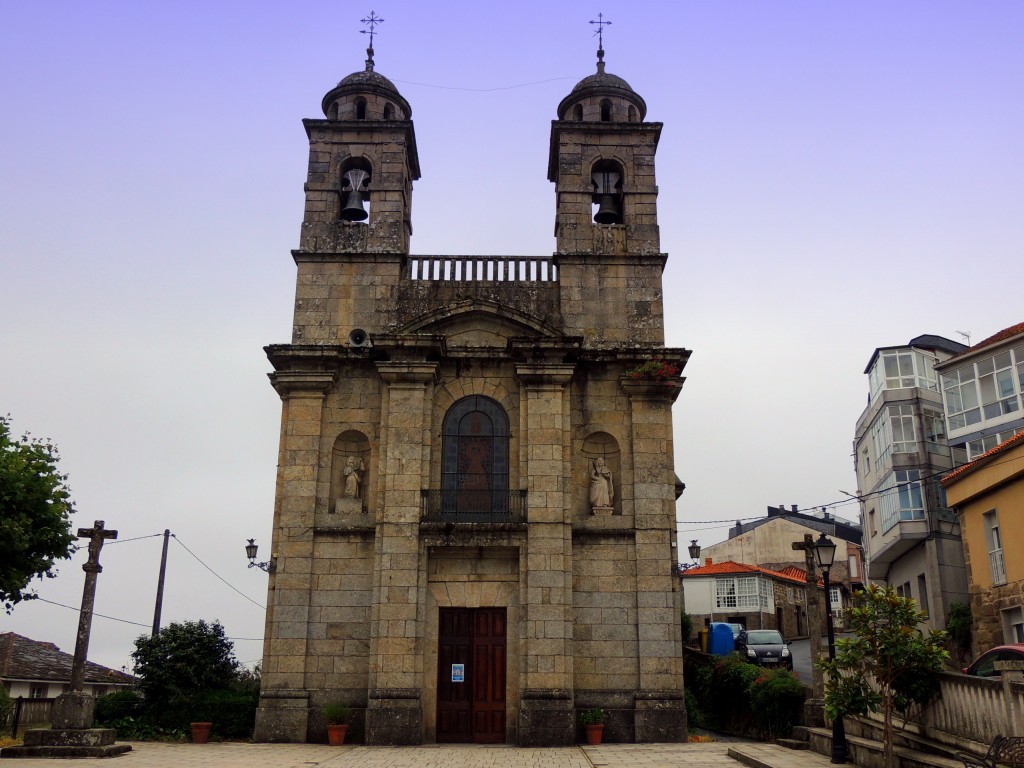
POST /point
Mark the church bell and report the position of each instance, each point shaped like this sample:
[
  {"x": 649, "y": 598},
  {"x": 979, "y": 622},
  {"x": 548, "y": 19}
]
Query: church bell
[
  {"x": 353, "y": 209},
  {"x": 607, "y": 198}
]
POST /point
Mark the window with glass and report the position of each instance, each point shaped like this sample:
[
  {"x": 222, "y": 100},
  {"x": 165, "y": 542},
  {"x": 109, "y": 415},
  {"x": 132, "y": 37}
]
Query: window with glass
[
  {"x": 995, "y": 379},
  {"x": 901, "y": 421},
  {"x": 961, "y": 396},
  {"x": 881, "y": 440},
  {"x": 901, "y": 498},
  {"x": 994, "y": 541},
  {"x": 902, "y": 369},
  {"x": 741, "y": 592},
  {"x": 935, "y": 430},
  {"x": 1013, "y": 625},
  {"x": 835, "y": 598}
]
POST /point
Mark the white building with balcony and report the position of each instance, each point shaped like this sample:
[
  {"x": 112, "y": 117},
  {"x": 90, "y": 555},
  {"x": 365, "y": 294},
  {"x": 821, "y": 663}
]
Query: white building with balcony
[
  {"x": 982, "y": 391},
  {"x": 911, "y": 539}
]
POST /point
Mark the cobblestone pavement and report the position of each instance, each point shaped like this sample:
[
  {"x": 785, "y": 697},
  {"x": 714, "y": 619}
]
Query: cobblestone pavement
[{"x": 233, "y": 755}]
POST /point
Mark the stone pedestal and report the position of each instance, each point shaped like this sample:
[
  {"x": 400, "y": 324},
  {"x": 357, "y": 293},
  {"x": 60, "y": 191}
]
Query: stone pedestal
[
  {"x": 603, "y": 510},
  {"x": 71, "y": 735},
  {"x": 659, "y": 717},
  {"x": 283, "y": 716},
  {"x": 814, "y": 713},
  {"x": 546, "y": 718},
  {"x": 394, "y": 717}
]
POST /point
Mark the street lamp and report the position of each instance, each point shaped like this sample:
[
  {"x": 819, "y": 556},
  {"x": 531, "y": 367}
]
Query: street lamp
[
  {"x": 825, "y": 554},
  {"x": 250, "y": 551},
  {"x": 694, "y": 552}
]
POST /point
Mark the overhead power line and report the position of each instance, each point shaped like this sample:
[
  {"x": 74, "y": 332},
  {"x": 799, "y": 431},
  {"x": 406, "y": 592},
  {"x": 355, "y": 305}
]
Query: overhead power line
[{"x": 229, "y": 584}]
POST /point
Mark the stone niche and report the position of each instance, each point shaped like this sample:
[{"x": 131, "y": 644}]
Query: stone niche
[
  {"x": 598, "y": 445},
  {"x": 351, "y": 481}
]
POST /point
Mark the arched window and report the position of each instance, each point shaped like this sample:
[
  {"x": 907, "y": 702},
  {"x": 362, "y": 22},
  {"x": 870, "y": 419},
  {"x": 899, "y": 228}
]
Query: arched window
[
  {"x": 631, "y": 113},
  {"x": 360, "y": 109},
  {"x": 333, "y": 112},
  {"x": 389, "y": 111},
  {"x": 606, "y": 111},
  {"x": 474, "y": 463},
  {"x": 577, "y": 113}
]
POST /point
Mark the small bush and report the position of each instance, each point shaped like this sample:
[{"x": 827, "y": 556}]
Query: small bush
[
  {"x": 776, "y": 701},
  {"x": 116, "y": 706},
  {"x": 686, "y": 625},
  {"x": 694, "y": 718},
  {"x": 233, "y": 714},
  {"x": 335, "y": 713}
]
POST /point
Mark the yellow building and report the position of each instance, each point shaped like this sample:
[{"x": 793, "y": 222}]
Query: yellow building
[{"x": 988, "y": 495}]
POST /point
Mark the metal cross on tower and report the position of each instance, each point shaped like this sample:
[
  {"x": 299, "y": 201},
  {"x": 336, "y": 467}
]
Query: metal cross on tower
[
  {"x": 601, "y": 24},
  {"x": 371, "y": 21}
]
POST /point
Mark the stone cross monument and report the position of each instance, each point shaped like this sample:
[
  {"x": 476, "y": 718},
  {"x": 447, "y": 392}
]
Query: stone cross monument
[
  {"x": 814, "y": 707},
  {"x": 72, "y": 734}
]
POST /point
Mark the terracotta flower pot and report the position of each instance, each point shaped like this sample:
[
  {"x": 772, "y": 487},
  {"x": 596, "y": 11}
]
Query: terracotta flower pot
[
  {"x": 201, "y": 732},
  {"x": 336, "y": 734},
  {"x": 595, "y": 731}
]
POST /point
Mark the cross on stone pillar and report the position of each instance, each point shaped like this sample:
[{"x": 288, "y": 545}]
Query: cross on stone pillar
[
  {"x": 813, "y": 708},
  {"x": 92, "y": 569}
]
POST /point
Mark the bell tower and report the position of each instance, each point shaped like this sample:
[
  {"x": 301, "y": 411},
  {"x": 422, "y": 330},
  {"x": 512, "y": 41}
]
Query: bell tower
[
  {"x": 608, "y": 248},
  {"x": 362, "y": 163}
]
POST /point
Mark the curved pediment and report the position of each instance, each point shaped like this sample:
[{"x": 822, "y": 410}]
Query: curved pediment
[{"x": 479, "y": 323}]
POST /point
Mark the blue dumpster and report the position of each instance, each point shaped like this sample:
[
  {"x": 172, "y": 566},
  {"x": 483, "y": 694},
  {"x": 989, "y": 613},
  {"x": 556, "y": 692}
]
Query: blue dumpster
[{"x": 720, "y": 642}]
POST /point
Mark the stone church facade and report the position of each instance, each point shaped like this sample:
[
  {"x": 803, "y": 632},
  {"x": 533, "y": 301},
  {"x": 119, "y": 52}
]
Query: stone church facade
[{"x": 474, "y": 527}]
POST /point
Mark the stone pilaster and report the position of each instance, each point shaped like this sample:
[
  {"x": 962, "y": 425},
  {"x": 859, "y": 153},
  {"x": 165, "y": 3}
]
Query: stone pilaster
[
  {"x": 660, "y": 714},
  {"x": 546, "y": 706},
  {"x": 283, "y": 714},
  {"x": 394, "y": 709}
]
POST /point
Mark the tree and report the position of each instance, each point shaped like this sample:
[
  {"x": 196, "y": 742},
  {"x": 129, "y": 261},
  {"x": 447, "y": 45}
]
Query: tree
[
  {"x": 888, "y": 665},
  {"x": 35, "y": 514},
  {"x": 186, "y": 659},
  {"x": 958, "y": 626}
]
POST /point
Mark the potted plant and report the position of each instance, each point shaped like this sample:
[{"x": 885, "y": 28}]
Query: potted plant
[
  {"x": 201, "y": 732},
  {"x": 593, "y": 724},
  {"x": 336, "y": 715}
]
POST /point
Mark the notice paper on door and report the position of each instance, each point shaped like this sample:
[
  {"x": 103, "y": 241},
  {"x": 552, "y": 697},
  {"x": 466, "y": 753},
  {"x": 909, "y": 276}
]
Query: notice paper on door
[{"x": 458, "y": 673}]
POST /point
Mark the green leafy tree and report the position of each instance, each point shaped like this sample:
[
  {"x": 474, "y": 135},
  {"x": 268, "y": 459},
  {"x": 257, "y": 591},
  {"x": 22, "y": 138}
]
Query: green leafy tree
[
  {"x": 889, "y": 665},
  {"x": 958, "y": 625},
  {"x": 35, "y": 514},
  {"x": 185, "y": 660}
]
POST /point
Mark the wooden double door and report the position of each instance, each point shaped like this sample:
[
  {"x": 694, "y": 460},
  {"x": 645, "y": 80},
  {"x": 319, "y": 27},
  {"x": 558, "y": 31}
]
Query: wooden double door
[{"x": 472, "y": 645}]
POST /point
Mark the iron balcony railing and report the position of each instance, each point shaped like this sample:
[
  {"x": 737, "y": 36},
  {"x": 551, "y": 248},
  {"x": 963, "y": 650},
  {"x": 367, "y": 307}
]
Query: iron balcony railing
[{"x": 472, "y": 506}]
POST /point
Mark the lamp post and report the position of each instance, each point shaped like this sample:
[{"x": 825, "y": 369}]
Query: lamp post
[
  {"x": 250, "y": 551},
  {"x": 825, "y": 554}
]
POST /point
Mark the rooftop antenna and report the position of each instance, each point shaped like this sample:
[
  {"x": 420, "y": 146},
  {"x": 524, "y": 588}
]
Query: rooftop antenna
[
  {"x": 600, "y": 24},
  {"x": 371, "y": 21},
  {"x": 966, "y": 335}
]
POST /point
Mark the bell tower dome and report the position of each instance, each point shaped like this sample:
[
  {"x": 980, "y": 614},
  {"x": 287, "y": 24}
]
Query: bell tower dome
[{"x": 362, "y": 163}]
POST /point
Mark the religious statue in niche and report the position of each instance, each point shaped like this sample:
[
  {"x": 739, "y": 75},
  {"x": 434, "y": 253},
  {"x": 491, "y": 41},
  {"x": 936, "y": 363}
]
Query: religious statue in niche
[
  {"x": 602, "y": 488},
  {"x": 352, "y": 475},
  {"x": 353, "y": 472}
]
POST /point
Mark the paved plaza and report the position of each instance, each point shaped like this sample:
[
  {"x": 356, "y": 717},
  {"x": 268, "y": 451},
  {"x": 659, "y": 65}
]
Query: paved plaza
[{"x": 233, "y": 755}]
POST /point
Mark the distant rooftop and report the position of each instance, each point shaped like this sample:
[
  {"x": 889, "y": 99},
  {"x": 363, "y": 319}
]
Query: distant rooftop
[{"x": 22, "y": 658}]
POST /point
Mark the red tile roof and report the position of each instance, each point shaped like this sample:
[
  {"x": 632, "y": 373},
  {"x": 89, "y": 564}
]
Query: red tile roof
[
  {"x": 972, "y": 465},
  {"x": 729, "y": 566},
  {"x": 1003, "y": 335}
]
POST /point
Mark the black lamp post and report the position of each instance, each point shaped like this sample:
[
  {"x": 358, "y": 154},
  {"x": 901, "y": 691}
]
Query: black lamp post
[
  {"x": 694, "y": 550},
  {"x": 250, "y": 551},
  {"x": 825, "y": 554}
]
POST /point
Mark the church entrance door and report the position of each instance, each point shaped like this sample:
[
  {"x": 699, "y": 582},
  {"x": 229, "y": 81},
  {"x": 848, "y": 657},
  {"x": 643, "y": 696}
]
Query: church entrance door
[{"x": 471, "y": 675}]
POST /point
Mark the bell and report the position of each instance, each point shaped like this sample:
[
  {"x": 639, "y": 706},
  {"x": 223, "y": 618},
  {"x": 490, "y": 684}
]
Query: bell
[
  {"x": 607, "y": 211},
  {"x": 606, "y": 186},
  {"x": 353, "y": 209}
]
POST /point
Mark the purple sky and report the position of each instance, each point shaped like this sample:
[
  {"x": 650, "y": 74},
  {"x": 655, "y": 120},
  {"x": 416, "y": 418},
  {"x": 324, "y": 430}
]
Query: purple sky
[{"x": 833, "y": 177}]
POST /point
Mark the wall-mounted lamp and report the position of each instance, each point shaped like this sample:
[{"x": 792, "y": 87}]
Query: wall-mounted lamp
[
  {"x": 250, "y": 551},
  {"x": 694, "y": 551}
]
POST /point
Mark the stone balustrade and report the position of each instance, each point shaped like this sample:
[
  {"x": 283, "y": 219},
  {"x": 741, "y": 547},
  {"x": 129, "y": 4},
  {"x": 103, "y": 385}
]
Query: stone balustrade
[
  {"x": 495, "y": 269},
  {"x": 976, "y": 708}
]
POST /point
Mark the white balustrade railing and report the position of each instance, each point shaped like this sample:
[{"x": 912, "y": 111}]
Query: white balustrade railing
[{"x": 497, "y": 269}]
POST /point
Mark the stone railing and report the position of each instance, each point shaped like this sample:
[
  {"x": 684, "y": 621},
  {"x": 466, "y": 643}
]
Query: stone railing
[
  {"x": 492, "y": 269},
  {"x": 976, "y": 708},
  {"x": 471, "y": 506}
]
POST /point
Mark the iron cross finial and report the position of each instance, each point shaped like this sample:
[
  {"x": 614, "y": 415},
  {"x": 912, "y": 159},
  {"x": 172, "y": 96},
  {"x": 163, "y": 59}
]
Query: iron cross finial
[
  {"x": 601, "y": 24},
  {"x": 371, "y": 21}
]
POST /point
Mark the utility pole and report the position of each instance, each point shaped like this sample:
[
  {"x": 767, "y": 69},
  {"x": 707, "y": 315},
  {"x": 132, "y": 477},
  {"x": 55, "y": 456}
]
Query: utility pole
[{"x": 160, "y": 585}]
